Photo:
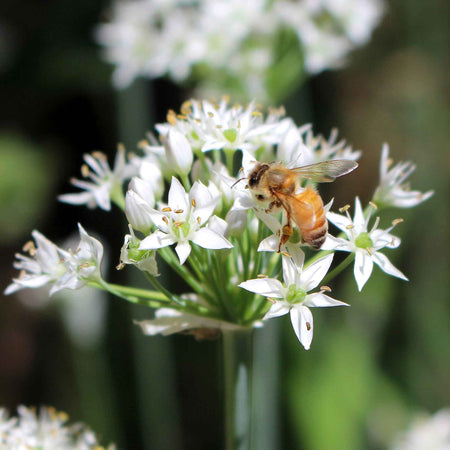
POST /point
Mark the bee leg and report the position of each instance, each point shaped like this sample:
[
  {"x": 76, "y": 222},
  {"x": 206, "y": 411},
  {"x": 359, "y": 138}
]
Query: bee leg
[{"x": 286, "y": 233}]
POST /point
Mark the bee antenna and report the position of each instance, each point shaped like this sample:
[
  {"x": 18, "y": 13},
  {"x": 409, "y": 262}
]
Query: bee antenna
[{"x": 240, "y": 179}]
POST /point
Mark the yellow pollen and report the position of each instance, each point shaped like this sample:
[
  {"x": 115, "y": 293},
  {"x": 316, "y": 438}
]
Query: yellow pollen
[
  {"x": 344, "y": 208},
  {"x": 271, "y": 300},
  {"x": 186, "y": 107},
  {"x": 286, "y": 254},
  {"x": 199, "y": 221},
  {"x": 85, "y": 170},
  {"x": 350, "y": 227},
  {"x": 178, "y": 211},
  {"x": 219, "y": 127},
  {"x": 369, "y": 251},
  {"x": 178, "y": 224},
  {"x": 99, "y": 155},
  {"x": 143, "y": 143},
  {"x": 29, "y": 247},
  {"x": 389, "y": 162},
  {"x": 167, "y": 209},
  {"x": 84, "y": 265},
  {"x": 193, "y": 202},
  {"x": 257, "y": 113},
  {"x": 210, "y": 114},
  {"x": 325, "y": 288},
  {"x": 308, "y": 326},
  {"x": 181, "y": 116},
  {"x": 261, "y": 275},
  {"x": 373, "y": 205},
  {"x": 166, "y": 220},
  {"x": 171, "y": 117},
  {"x": 397, "y": 221}
]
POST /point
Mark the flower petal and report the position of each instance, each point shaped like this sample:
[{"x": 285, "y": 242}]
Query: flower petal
[
  {"x": 319, "y": 299},
  {"x": 386, "y": 266},
  {"x": 315, "y": 272},
  {"x": 277, "y": 309},
  {"x": 177, "y": 196},
  {"x": 290, "y": 271},
  {"x": 269, "y": 287},
  {"x": 158, "y": 239},
  {"x": 302, "y": 322},
  {"x": 342, "y": 222},
  {"x": 362, "y": 268},
  {"x": 207, "y": 238},
  {"x": 183, "y": 250}
]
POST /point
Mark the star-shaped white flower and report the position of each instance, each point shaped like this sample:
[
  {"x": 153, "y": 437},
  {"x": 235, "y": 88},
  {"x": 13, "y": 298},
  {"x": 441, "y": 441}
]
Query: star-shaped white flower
[
  {"x": 50, "y": 265},
  {"x": 293, "y": 295},
  {"x": 183, "y": 220},
  {"x": 392, "y": 190},
  {"x": 105, "y": 184},
  {"x": 365, "y": 244}
]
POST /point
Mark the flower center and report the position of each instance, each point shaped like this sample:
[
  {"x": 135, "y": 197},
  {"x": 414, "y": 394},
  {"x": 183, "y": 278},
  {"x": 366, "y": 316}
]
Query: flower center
[
  {"x": 230, "y": 134},
  {"x": 181, "y": 229},
  {"x": 295, "y": 294},
  {"x": 364, "y": 241}
]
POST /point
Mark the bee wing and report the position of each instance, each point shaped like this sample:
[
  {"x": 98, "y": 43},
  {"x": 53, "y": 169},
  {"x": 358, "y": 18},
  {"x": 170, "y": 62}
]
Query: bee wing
[{"x": 326, "y": 171}]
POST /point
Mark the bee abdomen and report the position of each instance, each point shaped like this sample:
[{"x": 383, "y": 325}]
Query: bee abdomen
[{"x": 316, "y": 236}]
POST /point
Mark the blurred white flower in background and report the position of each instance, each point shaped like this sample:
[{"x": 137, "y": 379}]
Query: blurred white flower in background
[{"x": 233, "y": 44}]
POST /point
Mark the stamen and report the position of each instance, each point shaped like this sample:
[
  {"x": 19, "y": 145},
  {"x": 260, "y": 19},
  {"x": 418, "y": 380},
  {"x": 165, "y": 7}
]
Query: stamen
[
  {"x": 344, "y": 208},
  {"x": 143, "y": 143},
  {"x": 219, "y": 127},
  {"x": 166, "y": 209},
  {"x": 193, "y": 202},
  {"x": 286, "y": 254},
  {"x": 29, "y": 248},
  {"x": 257, "y": 113},
  {"x": 172, "y": 117},
  {"x": 325, "y": 288},
  {"x": 178, "y": 224},
  {"x": 165, "y": 220},
  {"x": 308, "y": 326},
  {"x": 369, "y": 251},
  {"x": 199, "y": 221},
  {"x": 22, "y": 274},
  {"x": 261, "y": 275},
  {"x": 186, "y": 107},
  {"x": 120, "y": 266},
  {"x": 210, "y": 114},
  {"x": 181, "y": 116},
  {"x": 99, "y": 155},
  {"x": 85, "y": 170},
  {"x": 350, "y": 227},
  {"x": 271, "y": 300},
  {"x": 178, "y": 211},
  {"x": 120, "y": 147},
  {"x": 396, "y": 221},
  {"x": 373, "y": 205},
  {"x": 84, "y": 265}
]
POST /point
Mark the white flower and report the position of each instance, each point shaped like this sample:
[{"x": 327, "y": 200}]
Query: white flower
[
  {"x": 169, "y": 321},
  {"x": 105, "y": 184},
  {"x": 293, "y": 295},
  {"x": 178, "y": 152},
  {"x": 183, "y": 221},
  {"x": 392, "y": 190},
  {"x": 144, "y": 260},
  {"x": 49, "y": 264},
  {"x": 45, "y": 430},
  {"x": 426, "y": 432},
  {"x": 363, "y": 243}
]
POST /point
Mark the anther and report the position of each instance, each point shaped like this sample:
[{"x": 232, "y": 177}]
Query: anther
[
  {"x": 99, "y": 155},
  {"x": 373, "y": 205},
  {"x": 271, "y": 300},
  {"x": 29, "y": 247},
  {"x": 369, "y": 251},
  {"x": 210, "y": 114},
  {"x": 193, "y": 202},
  {"x": 178, "y": 211},
  {"x": 325, "y": 288},
  {"x": 308, "y": 326},
  {"x": 286, "y": 254},
  {"x": 344, "y": 208},
  {"x": 350, "y": 227},
  {"x": 257, "y": 113},
  {"x": 165, "y": 220},
  {"x": 261, "y": 275},
  {"x": 120, "y": 266},
  {"x": 181, "y": 116},
  {"x": 167, "y": 209},
  {"x": 143, "y": 143},
  {"x": 85, "y": 170},
  {"x": 397, "y": 221},
  {"x": 199, "y": 220},
  {"x": 171, "y": 117},
  {"x": 178, "y": 224},
  {"x": 120, "y": 147}
]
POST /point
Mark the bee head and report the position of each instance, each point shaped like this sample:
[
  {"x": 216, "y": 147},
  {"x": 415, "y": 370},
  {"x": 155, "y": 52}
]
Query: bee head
[{"x": 255, "y": 175}]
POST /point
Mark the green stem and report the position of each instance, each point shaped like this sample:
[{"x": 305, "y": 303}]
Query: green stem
[{"x": 237, "y": 373}]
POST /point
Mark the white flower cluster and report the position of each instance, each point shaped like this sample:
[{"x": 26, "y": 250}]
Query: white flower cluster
[
  {"x": 220, "y": 228},
  {"x": 46, "y": 430},
  {"x": 232, "y": 39}
]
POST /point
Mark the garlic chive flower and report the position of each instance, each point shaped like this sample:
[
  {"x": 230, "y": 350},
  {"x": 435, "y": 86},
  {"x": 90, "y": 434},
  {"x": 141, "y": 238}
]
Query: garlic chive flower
[
  {"x": 294, "y": 296},
  {"x": 392, "y": 189},
  {"x": 183, "y": 220},
  {"x": 364, "y": 243},
  {"x": 45, "y": 430},
  {"x": 50, "y": 265},
  {"x": 104, "y": 185}
]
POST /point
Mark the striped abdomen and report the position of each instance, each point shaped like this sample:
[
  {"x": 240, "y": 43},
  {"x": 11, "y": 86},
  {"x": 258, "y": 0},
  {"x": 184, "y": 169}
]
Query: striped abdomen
[{"x": 309, "y": 215}]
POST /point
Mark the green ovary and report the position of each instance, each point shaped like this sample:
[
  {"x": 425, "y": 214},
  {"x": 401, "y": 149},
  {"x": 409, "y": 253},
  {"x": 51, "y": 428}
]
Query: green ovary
[
  {"x": 295, "y": 294},
  {"x": 181, "y": 230},
  {"x": 364, "y": 241},
  {"x": 230, "y": 134}
]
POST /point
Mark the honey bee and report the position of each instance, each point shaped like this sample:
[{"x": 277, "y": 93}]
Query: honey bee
[{"x": 278, "y": 187}]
